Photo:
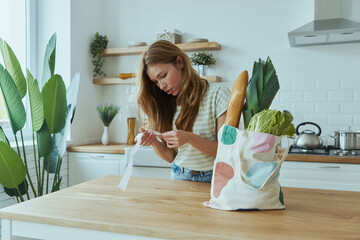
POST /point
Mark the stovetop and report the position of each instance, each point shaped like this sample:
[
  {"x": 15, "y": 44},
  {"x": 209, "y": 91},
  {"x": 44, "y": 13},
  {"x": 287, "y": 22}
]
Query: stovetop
[{"x": 323, "y": 150}]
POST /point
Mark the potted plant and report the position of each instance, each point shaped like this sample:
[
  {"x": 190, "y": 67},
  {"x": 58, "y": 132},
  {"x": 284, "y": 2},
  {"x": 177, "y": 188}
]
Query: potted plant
[
  {"x": 97, "y": 48},
  {"x": 107, "y": 114},
  {"x": 52, "y": 107},
  {"x": 202, "y": 60}
]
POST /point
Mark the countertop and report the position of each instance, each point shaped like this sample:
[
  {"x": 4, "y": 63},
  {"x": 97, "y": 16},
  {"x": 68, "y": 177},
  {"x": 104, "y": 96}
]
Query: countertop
[
  {"x": 173, "y": 209},
  {"x": 100, "y": 148},
  {"x": 119, "y": 148}
]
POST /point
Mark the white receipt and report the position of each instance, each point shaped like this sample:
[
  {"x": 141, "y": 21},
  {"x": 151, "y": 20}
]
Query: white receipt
[{"x": 125, "y": 179}]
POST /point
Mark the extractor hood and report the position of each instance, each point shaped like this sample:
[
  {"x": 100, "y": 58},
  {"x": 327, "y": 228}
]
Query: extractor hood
[{"x": 327, "y": 31}]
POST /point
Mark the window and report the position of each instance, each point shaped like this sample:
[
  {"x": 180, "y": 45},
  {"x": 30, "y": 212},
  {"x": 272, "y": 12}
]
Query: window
[{"x": 16, "y": 30}]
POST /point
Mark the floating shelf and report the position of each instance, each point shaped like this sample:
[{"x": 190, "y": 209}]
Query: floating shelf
[
  {"x": 118, "y": 81},
  {"x": 186, "y": 47}
]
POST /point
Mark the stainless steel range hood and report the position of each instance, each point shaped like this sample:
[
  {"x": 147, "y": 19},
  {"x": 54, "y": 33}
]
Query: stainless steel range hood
[{"x": 327, "y": 31}]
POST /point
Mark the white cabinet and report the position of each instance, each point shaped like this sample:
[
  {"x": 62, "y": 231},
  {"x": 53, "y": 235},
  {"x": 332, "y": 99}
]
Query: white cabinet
[
  {"x": 151, "y": 172},
  {"x": 87, "y": 166},
  {"x": 332, "y": 176}
]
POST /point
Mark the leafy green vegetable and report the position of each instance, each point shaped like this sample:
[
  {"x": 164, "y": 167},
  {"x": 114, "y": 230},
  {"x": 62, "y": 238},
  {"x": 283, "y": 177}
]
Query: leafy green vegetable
[
  {"x": 261, "y": 89},
  {"x": 272, "y": 122}
]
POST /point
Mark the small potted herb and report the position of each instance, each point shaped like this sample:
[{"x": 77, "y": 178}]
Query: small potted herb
[
  {"x": 202, "y": 60},
  {"x": 107, "y": 114},
  {"x": 97, "y": 48}
]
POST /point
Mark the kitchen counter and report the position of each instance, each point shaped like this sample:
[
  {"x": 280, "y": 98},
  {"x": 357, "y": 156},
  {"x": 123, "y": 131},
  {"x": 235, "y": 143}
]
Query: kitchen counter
[
  {"x": 100, "y": 148},
  {"x": 173, "y": 209},
  {"x": 119, "y": 148}
]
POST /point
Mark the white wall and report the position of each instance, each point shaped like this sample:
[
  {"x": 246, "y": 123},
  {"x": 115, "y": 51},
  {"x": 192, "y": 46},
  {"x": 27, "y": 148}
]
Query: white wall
[
  {"x": 54, "y": 16},
  {"x": 318, "y": 83},
  {"x": 86, "y": 19}
]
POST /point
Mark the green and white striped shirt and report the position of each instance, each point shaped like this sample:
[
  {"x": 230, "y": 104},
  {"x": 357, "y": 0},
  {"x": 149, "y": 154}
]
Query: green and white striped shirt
[{"x": 214, "y": 104}]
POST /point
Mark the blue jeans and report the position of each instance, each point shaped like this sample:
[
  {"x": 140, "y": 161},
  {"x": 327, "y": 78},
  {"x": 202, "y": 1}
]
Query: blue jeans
[{"x": 180, "y": 173}]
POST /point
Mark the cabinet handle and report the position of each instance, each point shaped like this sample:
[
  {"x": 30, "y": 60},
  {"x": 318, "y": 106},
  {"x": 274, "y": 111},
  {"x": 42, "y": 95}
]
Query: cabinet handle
[
  {"x": 329, "y": 167},
  {"x": 97, "y": 156}
]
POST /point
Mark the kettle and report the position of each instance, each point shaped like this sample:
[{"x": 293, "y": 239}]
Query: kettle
[{"x": 308, "y": 139}]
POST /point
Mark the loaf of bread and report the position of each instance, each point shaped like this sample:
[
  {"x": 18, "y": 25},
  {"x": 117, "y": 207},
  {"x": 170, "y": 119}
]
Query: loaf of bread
[
  {"x": 127, "y": 75},
  {"x": 236, "y": 101}
]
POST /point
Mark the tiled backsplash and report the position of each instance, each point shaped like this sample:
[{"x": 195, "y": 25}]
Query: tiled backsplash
[{"x": 332, "y": 104}]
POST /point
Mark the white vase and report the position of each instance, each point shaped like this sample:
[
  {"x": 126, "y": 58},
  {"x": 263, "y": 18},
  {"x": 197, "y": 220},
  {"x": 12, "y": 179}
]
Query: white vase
[
  {"x": 202, "y": 70},
  {"x": 106, "y": 136}
]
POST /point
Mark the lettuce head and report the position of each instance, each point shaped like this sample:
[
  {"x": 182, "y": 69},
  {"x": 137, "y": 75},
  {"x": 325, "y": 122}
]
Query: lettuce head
[{"x": 272, "y": 122}]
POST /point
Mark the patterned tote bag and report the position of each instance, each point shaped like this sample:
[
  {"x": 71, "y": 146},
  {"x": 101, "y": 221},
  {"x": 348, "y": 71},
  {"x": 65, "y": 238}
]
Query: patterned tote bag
[{"x": 246, "y": 171}]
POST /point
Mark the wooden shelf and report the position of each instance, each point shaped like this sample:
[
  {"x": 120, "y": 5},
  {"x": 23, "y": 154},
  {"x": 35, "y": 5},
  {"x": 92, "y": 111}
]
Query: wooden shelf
[
  {"x": 186, "y": 47},
  {"x": 118, "y": 81}
]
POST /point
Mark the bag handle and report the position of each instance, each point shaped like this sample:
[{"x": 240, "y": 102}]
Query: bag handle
[{"x": 273, "y": 173}]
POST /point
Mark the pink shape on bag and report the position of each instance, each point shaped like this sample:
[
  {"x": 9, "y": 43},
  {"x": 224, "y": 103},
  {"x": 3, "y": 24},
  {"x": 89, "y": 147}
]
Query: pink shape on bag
[
  {"x": 223, "y": 173},
  {"x": 262, "y": 142}
]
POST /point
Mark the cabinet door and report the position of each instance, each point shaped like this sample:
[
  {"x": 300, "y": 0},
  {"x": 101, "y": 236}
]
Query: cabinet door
[
  {"x": 86, "y": 166},
  {"x": 151, "y": 172},
  {"x": 333, "y": 176}
]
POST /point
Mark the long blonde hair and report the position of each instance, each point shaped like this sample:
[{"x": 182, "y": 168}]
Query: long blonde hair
[{"x": 158, "y": 106}]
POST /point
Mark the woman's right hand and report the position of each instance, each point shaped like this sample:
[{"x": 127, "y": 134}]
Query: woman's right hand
[{"x": 148, "y": 138}]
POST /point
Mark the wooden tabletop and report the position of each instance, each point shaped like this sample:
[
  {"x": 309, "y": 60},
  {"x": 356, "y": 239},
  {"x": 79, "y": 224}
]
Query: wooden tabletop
[{"x": 173, "y": 209}]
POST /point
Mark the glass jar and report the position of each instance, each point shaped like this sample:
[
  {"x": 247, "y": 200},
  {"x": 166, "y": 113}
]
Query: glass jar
[{"x": 131, "y": 122}]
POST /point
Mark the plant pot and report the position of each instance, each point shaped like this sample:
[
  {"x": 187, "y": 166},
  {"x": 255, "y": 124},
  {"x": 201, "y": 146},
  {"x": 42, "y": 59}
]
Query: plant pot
[
  {"x": 202, "y": 70},
  {"x": 106, "y": 136}
]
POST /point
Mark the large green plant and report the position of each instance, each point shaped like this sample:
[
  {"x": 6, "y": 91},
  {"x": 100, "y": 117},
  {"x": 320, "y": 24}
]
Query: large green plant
[{"x": 52, "y": 107}]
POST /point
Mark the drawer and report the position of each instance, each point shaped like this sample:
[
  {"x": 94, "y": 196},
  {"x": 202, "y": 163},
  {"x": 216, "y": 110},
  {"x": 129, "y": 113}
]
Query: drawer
[{"x": 321, "y": 175}]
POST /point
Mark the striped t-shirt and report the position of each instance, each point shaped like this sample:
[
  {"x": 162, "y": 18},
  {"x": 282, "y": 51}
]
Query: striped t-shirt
[{"x": 214, "y": 104}]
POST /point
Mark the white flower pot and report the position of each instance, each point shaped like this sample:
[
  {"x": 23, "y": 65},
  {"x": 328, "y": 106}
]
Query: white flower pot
[
  {"x": 106, "y": 136},
  {"x": 202, "y": 70}
]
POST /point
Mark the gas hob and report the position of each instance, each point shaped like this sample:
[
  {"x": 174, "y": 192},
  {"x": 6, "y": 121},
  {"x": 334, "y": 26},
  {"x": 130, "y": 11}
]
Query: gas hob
[{"x": 324, "y": 150}]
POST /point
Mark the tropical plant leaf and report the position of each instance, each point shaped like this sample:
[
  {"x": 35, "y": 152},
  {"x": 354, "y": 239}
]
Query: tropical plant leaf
[
  {"x": 72, "y": 91},
  {"x": 71, "y": 94},
  {"x": 52, "y": 63},
  {"x": 49, "y": 60},
  {"x": 14, "y": 105},
  {"x": 59, "y": 139},
  {"x": 36, "y": 104},
  {"x": 54, "y": 100},
  {"x": 23, "y": 188},
  {"x": 56, "y": 187},
  {"x": 59, "y": 143},
  {"x": 12, "y": 169},
  {"x": 44, "y": 141},
  {"x": 13, "y": 67},
  {"x": 3, "y": 137}
]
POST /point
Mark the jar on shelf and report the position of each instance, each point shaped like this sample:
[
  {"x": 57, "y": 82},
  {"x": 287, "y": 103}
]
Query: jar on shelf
[{"x": 131, "y": 122}]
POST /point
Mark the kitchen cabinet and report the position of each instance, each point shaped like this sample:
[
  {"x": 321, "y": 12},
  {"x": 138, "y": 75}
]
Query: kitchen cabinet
[
  {"x": 333, "y": 176},
  {"x": 87, "y": 166},
  {"x": 151, "y": 172},
  {"x": 187, "y": 47}
]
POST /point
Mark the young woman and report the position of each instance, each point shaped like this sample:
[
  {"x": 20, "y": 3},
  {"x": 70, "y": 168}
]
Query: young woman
[{"x": 186, "y": 110}]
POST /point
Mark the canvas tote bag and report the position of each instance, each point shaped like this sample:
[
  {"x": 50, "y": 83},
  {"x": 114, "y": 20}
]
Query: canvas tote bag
[{"x": 246, "y": 171}]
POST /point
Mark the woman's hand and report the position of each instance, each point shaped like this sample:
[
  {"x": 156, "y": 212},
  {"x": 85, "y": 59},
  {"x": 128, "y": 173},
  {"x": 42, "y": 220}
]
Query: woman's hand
[
  {"x": 148, "y": 138},
  {"x": 176, "y": 138}
]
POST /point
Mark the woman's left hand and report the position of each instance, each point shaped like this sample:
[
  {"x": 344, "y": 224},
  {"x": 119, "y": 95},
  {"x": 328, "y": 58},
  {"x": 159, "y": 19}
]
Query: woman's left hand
[{"x": 175, "y": 138}]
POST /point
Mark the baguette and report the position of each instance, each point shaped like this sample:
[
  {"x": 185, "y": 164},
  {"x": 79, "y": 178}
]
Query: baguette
[{"x": 236, "y": 101}]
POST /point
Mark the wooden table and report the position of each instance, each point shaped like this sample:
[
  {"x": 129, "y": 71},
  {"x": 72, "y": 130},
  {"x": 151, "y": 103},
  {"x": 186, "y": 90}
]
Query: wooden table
[{"x": 172, "y": 209}]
